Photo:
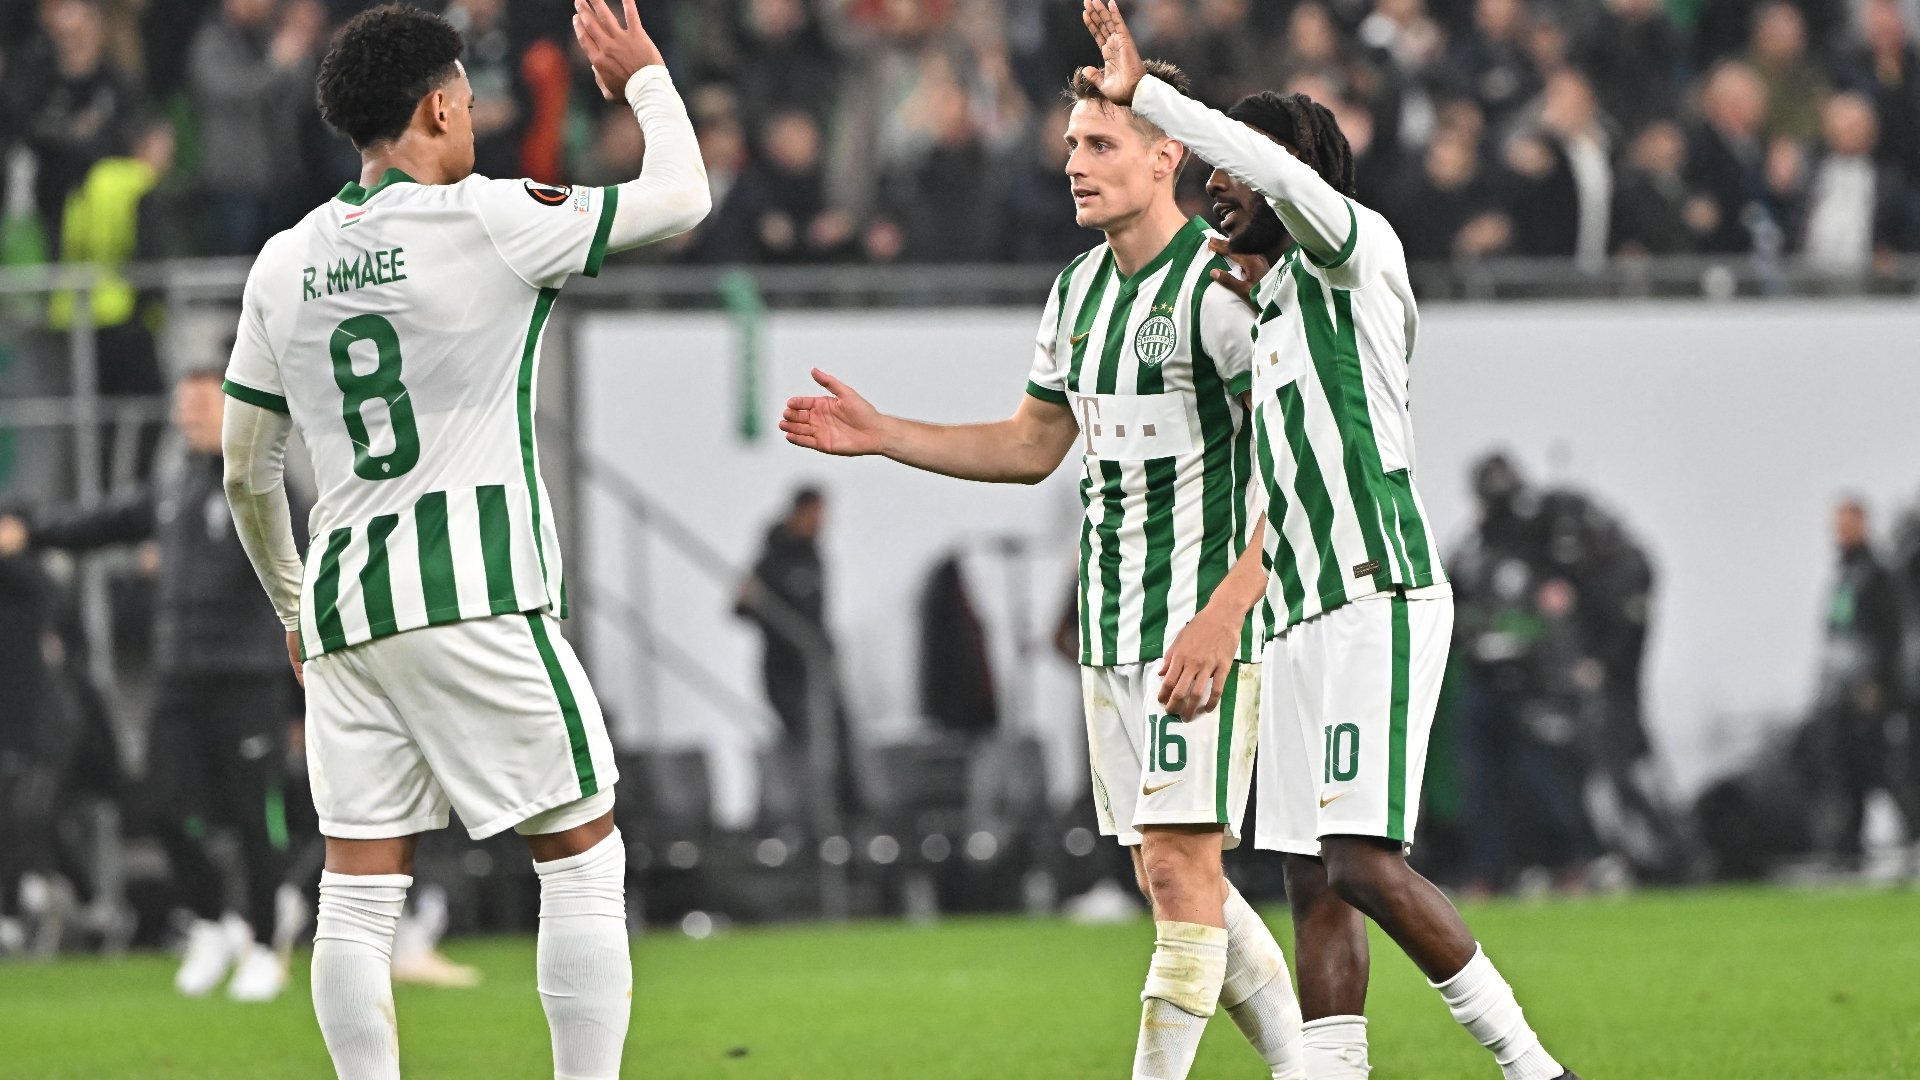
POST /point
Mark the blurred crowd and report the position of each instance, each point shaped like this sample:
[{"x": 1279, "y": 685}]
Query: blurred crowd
[{"x": 929, "y": 130}]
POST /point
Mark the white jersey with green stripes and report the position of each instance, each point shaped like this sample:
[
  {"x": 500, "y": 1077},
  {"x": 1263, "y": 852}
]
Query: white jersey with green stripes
[
  {"x": 400, "y": 327},
  {"x": 1154, "y": 366},
  {"x": 1333, "y": 427}
]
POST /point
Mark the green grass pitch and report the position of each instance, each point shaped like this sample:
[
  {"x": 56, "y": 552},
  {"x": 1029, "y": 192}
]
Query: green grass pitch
[{"x": 1722, "y": 985}]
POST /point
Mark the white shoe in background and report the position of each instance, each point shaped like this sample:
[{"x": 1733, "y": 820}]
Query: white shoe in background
[
  {"x": 260, "y": 977},
  {"x": 210, "y": 953},
  {"x": 291, "y": 919},
  {"x": 432, "y": 968}
]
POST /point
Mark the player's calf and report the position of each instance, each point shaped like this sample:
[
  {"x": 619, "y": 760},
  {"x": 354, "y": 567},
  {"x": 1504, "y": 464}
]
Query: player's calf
[
  {"x": 1373, "y": 876},
  {"x": 352, "y": 972},
  {"x": 585, "y": 971}
]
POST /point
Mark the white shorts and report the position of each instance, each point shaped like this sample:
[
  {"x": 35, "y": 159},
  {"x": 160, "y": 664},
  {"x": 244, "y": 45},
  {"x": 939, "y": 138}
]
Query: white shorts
[
  {"x": 493, "y": 717},
  {"x": 1154, "y": 769},
  {"x": 1347, "y": 701}
]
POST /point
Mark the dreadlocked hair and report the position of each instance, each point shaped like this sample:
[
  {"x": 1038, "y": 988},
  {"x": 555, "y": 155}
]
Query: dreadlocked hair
[{"x": 1307, "y": 126}]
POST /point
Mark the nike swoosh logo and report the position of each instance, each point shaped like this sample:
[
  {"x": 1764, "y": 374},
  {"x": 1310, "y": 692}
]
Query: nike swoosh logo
[
  {"x": 1155, "y": 789},
  {"x": 1078, "y": 338},
  {"x": 1325, "y": 800}
]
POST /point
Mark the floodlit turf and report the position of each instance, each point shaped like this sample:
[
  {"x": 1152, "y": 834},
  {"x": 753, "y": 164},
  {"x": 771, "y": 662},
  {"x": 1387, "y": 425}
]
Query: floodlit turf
[{"x": 1726, "y": 985}]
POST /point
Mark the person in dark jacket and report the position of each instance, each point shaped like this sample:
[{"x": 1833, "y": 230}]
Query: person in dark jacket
[
  {"x": 786, "y": 597},
  {"x": 222, "y": 704},
  {"x": 1859, "y": 678}
]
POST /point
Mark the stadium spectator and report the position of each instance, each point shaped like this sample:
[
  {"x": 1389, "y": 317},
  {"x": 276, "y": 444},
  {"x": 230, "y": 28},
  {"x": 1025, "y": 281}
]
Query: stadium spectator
[
  {"x": 492, "y": 64},
  {"x": 252, "y": 72},
  {"x": 1856, "y": 209},
  {"x": 730, "y": 233},
  {"x": 115, "y": 217},
  {"x": 1885, "y": 67},
  {"x": 785, "y": 595},
  {"x": 76, "y": 104},
  {"x": 221, "y": 706},
  {"x": 1655, "y": 212},
  {"x": 1040, "y": 224},
  {"x": 784, "y": 60},
  {"x": 26, "y": 712},
  {"x": 1859, "y": 678},
  {"x": 1492, "y": 61},
  {"x": 1795, "y": 83},
  {"x": 1580, "y": 180},
  {"x": 797, "y": 224},
  {"x": 1726, "y": 157},
  {"x": 1451, "y": 209},
  {"x": 1635, "y": 58}
]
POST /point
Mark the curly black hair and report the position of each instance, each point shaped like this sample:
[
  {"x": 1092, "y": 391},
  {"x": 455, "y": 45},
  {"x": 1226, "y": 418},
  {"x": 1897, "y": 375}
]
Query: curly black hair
[
  {"x": 1306, "y": 125},
  {"x": 379, "y": 67}
]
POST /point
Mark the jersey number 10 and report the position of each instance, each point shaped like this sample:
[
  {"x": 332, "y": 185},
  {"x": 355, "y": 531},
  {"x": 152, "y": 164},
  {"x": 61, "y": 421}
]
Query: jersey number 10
[{"x": 381, "y": 384}]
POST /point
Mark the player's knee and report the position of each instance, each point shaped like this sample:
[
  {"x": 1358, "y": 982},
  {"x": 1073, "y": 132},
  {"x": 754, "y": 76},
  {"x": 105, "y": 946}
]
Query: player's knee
[
  {"x": 1175, "y": 875},
  {"x": 1360, "y": 875}
]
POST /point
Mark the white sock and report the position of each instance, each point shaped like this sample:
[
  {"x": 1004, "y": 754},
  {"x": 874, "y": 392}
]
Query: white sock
[
  {"x": 1258, "y": 992},
  {"x": 1336, "y": 1048},
  {"x": 1183, "y": 987},
  {"x": 585, "y": 974},
  {"x": 1483, "y": 1003},
  {"x": 353, "y": 972}
]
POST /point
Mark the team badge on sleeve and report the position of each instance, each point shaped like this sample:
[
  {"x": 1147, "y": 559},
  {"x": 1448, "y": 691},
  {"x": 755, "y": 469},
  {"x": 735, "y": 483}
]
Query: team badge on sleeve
[{"x": 548, "y": 194}]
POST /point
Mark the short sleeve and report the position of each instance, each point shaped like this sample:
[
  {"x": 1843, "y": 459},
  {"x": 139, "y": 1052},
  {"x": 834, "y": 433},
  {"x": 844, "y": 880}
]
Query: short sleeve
[
  {"x": 547, "y": 233},
  {"x": 253, "y": 371},
  {"x": 1226, "y": 333},
  {"x": 1048, "y": 380}
]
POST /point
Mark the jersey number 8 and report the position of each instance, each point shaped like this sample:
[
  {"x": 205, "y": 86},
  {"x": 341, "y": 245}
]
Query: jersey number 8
[{"x": 381, "y": 384}]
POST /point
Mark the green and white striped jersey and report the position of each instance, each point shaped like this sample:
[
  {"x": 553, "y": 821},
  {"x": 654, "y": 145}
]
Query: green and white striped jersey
[
  {"x": 400, "y": 327},
  {"x": 1154, "y": 366},
  {"x": 1334, "y": 427}
]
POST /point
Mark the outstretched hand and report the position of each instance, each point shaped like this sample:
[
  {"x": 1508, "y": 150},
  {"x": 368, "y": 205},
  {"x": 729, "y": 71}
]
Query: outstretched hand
[
  {"x": 841, "y": 422},
  {"x": 1244, "y": 279},
  {"x": 614, "y": 50},
  {"x": 1124, "y": 68}
]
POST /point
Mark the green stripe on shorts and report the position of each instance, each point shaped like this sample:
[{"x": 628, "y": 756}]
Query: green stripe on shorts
[
  {"x": 1397, "y": 723},
  {"x": 1223, "y": 754},
  {"x": 569, "y": 708}
]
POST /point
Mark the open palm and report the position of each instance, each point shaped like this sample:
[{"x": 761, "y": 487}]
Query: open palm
[
  {"x": 1124, "y": 68},
  {"x": 841, "y": 422}
]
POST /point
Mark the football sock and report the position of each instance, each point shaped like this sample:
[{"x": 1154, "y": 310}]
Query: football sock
[
  {"x": 1258, "y": 993},
  {"x": 352, "y": 972},
  {"x": 1183, "y": 986},
  {"x": 585, "y": 973},
  {"x": 1336, "y": 1048},
  {"x": 1483, "y": 1003}
]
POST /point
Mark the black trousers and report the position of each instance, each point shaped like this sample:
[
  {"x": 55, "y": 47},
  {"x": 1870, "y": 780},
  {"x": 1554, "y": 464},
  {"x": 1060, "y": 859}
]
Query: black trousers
[{"x": 217, "y": 757}]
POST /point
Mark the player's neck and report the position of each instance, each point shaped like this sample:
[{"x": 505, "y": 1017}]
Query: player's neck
[
  {"x": 409, "y": 156},
  {"x": 1136, "y": 242}
]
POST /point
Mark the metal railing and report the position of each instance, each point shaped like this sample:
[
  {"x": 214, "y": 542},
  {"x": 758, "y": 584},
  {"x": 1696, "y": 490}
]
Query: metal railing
[{"x": 647, "y": 519}]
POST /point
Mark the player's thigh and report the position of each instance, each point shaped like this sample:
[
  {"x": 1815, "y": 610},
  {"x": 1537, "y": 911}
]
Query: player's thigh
[
  {"x": 1198, "y": 770},
  {"x": 1110, "y": 696},
  {"x": 1288, "y": 819},
  {"x": 1384, "y": 660},
  {"x": 368, "y": 777},
  {"x": 506, "y": 718}
]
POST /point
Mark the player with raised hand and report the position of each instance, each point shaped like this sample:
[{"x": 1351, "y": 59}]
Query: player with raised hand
[
  {"x": 399, "y": 327},
  {"x": 1363, "y": 608},
  {"x": 1146, "y": 367}
]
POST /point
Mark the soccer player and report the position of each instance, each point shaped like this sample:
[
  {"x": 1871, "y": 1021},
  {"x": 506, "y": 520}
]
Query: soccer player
[
  {"x": 398, "y": 327},
  {"x": 1144, "y": 367},
  {"x": 1352, "y": 681}
]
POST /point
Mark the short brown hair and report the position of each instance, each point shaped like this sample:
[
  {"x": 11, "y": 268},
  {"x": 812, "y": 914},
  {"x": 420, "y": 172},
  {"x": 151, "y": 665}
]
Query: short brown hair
[{"x": 1080, "y": 88}]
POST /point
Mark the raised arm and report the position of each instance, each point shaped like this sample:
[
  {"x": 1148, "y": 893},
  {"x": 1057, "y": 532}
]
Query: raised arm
[
  {"x": 670, "y": 195},
  {"x": 1025, "y": 448},
  {"x": 1317, "y": 216}
]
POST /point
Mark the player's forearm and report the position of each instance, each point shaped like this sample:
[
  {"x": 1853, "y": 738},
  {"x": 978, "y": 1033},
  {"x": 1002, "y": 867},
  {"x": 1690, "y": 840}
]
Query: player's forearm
[
  {"x": 996, "y": 453},
  {"x": 670, "y": 195},
  {"x": 1314, "y": 213},
  {"x": 254, "y": 443},
  {"x": 1245, "y": 583}
]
